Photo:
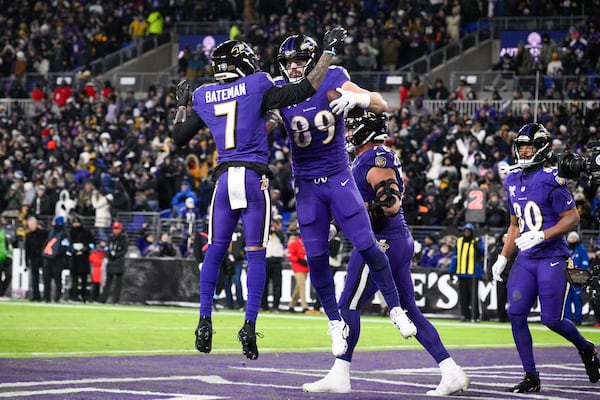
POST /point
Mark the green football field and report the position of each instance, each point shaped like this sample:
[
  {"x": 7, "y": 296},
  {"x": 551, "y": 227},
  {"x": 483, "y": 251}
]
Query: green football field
[{"x": 61, "y": 330}]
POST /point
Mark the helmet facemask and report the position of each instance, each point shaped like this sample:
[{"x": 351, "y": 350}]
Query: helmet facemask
[
  {"x": 232, "y": 60},
  {"x": 537, "y": 136},
  {"x": 300, "y": 48},
  {"x": 369, "y": 127}
]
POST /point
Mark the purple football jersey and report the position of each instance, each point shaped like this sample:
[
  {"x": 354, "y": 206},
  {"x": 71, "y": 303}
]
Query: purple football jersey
[
  {"x": 238, "y": 136},
  {"x": 316, "y": 135},
  {"x": 538, "y": 198},
  {"x": 382, "y": 157}
]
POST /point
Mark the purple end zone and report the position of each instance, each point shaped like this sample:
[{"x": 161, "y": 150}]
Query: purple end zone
[{"x": 375, "y": 375}]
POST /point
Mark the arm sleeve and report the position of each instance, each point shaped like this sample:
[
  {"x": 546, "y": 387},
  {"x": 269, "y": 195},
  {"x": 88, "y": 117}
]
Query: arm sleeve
[
  {"x": 184, "y": 131},
  {"x": 286, "y": 95}
]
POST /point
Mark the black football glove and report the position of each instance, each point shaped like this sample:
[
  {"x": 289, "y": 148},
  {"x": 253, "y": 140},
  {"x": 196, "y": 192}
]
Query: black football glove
[
  {"x": 333, "y": 41},
  {"x": 182, "y": 93}
]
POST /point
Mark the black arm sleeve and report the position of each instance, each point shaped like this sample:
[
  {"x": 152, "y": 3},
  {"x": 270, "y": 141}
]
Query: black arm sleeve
[
  {"x": 184, "y": 131},
  {"x": 286, "y": 95}
]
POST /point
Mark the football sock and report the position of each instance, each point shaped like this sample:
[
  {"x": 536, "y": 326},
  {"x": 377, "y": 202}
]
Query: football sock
[
  {"x": 209, "y": 275},
  {"x": 255, "y": 281}
]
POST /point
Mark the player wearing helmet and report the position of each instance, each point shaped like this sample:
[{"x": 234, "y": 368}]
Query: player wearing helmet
[
  {"x": 325, "y": 188},
  {"x": 542, "y": 211},
  {"x": 378, "y": 175},
  {"x": 234, "y": 109}
]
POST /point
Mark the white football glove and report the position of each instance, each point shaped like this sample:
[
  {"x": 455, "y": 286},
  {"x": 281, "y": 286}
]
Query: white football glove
[
  {"x": 498, "y": 268},
  {"x": 529, "y": 239},
  {"x": 332, "y": 232},
  {"x": 348, "y": 101}
]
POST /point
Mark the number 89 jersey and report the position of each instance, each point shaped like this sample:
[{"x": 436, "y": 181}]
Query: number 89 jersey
[
  {"x": 316, "y": 134},
  {"x": 537, "y": 198}
]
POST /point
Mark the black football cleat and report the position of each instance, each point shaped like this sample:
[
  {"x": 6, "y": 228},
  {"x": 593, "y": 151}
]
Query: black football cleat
[
  {"x": 589, "y": 356},
  {"x": 247, "y": 337},
  {"x": 530, "y": 383},
  {"x": 204, "y": 334}
]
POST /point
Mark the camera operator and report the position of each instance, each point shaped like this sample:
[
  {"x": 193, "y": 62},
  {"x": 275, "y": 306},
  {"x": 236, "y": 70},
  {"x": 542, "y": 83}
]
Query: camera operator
[{"x": 574, "y": 166}]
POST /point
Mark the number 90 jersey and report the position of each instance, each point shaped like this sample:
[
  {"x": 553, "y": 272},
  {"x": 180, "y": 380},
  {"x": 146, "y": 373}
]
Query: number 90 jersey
[
  {"x": 537, "y": 199},
  {"x": 316, "y": 134}
]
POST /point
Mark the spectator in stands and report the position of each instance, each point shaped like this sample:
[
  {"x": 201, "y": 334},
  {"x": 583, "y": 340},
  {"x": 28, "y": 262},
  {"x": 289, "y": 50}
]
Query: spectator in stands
[
  {"x": 430, "y": 252},
  {"x": 389, "y": 51},
  {"x": 445, "y": 258},
  {"x": 417, "y": 89},
  {"x": 523, "y": 59},
  {"x": 197, "y": 63},
  {"x": 138, "y": 30},
  {"x": 554, "y": 66},
  {"x": 453, "y": 22},
  {"x": 178, "y": 201},
  {"x": 155, "y": 22},
  {"x": 102, "y": 215},
  {"x": 164, "y": 247},
  {"x": 497, "y": 214},
  {"x": 65, "y": 204},
  {"x": 41, "y": 202},
  {"x": 116, "y": 251},
  {"x": 438, "y": 91},
  {"x": 549, "y": 47}
]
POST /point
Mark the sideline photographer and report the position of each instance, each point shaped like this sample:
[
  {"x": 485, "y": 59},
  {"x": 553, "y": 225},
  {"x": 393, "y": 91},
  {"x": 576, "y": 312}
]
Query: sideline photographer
[{"x": 574, "y": 166}]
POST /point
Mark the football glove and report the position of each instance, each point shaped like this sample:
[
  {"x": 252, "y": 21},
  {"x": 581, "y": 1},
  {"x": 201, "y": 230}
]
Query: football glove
[
  {"x": 348, "y": 100},
  {"x": 498, "y": 268},
  {"x": 333, "y": 41},
  {"x": 182, "y": 93},
  {"x": 529, "y": 239}
]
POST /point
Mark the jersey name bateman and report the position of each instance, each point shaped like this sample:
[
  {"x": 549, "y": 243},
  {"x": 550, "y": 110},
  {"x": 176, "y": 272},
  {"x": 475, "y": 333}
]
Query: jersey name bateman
[{"x": 213, "y": 96}]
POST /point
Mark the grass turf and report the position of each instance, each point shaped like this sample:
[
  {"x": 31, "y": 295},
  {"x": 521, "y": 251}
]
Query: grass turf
[{"x": 60, "y": 330}]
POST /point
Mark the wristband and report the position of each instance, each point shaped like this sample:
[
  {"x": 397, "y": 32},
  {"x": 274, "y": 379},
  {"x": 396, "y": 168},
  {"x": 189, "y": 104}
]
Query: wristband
[
  {"x": 329, "y": 52},
  {"x": 363, "y": 100}
]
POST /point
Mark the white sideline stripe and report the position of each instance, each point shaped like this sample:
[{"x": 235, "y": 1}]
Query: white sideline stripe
[
  {"x": 102, "y": 390},
  {"x": 412, "y": 345},
  {"x": 491, "y": 383}
]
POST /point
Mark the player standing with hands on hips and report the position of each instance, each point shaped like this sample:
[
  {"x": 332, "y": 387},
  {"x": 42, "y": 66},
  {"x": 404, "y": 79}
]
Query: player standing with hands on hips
[
  {"x": 235, "y": 110},
  {"x": 542, "y": 212}
]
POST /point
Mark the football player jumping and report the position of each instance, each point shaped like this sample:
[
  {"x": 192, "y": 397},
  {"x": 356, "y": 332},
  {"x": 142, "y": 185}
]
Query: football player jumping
[{"x": 234, "y": 109}]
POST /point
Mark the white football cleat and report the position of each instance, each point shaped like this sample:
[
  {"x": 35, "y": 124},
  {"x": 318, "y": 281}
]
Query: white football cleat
[
  {"x": 403, "y": 323},
  {"x": 453, "y": 382},
  {"x": 337, "y": 380},
  {"x": 339, "y": 332}
]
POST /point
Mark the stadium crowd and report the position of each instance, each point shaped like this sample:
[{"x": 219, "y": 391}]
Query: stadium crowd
[{"x": 101, "y": 151}]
